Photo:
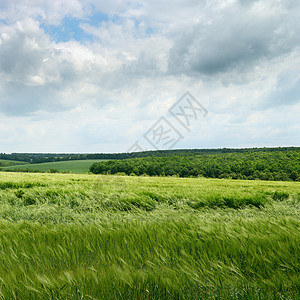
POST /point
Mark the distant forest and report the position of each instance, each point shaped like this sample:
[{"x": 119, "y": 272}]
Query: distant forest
[
  {"x": 281, "y": 163},
  {"x": 264, "y": 164},
  {"x": 52, "y": 157}
]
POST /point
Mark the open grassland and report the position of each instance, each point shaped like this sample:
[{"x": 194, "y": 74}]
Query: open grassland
[
  {"x": 5, "y": 163},
  {"x": 11, "y": 161},
  {"x": 65, "y": 236},
  {"x": 73, "y": 166}
]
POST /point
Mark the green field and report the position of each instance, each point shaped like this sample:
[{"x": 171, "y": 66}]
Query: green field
[
  {"x": 73, "y": 166},
  {"x": 5, "y": 162},
  {"x": 12, "y": 161},
  {"x": 67, "y": 236}
]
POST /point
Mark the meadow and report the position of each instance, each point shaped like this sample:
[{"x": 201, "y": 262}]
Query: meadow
[
  {"x": 67, "y": 236},
  {"x": 73, "y": 166},
  {"x": 6, "y": 162}
]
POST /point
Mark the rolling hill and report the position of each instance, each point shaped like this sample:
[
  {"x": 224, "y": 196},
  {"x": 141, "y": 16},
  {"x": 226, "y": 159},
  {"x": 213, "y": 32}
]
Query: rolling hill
[{"x": 74, "y": 166}]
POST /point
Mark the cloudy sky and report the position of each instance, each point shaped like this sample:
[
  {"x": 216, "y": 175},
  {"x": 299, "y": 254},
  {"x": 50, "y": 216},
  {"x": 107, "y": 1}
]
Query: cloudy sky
[{"x": 96, "y": 76}]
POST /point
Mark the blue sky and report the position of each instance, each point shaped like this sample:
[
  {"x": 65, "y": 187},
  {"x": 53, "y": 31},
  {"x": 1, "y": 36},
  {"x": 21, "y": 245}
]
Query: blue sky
[
  {"x": 69, "y": 29},
  {"x": 96, "y": 76}
]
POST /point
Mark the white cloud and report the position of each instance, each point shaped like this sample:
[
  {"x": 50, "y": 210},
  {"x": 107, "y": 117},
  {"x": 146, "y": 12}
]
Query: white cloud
[
  {"x": 238, "y": 58},
  {"x": 49, "y": 11}
]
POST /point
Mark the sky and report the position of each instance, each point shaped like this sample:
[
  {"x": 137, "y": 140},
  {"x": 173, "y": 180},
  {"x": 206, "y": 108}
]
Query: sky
[{"x": 125, "y": 75}]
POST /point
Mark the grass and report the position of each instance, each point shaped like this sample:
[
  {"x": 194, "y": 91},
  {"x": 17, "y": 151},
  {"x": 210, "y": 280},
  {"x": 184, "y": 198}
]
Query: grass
[
  {"x": 74, "y": 166},
  {"x": 67, "y": 236},
  {"x": 8, "y": 163},
  {"x": 12, "y": 161}
]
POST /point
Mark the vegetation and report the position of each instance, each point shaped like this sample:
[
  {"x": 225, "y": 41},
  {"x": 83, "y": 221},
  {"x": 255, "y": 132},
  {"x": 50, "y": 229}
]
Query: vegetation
[
  {"x": 65, "y": 236},
  {"x": 256, "y": 163},
  {"x": 7, "y": 163},
  {"x": 52, "y": 157},
  {"x": 74, "y": 166},
  {"x": 265, "y": 165}
]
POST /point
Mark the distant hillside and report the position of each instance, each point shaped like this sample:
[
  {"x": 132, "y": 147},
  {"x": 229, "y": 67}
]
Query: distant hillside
[
  {"x": 7, "y": 163},
  {"x": 74, "y": 166},
  {"x": 52, "y": 157}
]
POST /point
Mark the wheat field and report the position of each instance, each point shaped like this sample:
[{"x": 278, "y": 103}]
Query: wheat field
[{"x": 66, "y": 236}]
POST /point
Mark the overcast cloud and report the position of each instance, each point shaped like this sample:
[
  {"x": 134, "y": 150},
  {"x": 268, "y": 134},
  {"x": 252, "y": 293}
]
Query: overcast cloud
[{"x": 94, "y": 76}]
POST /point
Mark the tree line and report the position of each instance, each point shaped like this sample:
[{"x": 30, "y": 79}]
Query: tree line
[
  {"x": 52, "y": 157},
  {"x": 264, "y": 164}
]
